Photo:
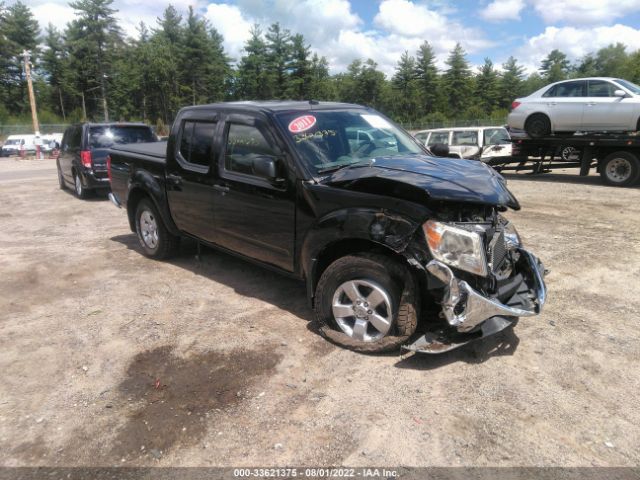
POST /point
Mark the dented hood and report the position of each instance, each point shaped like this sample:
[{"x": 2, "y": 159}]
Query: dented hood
[{"x": 441, "y": 178}]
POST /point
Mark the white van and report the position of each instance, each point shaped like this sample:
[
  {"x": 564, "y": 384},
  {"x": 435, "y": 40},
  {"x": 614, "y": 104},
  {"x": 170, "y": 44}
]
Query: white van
[
  {"x": 468, "y": 142},
  {"x": 15, "y": 143}
]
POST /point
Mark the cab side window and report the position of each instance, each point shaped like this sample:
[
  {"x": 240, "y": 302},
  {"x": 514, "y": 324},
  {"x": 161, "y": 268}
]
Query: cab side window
[
  {"x": 196, "y": 142},
  {"x": 244, "y": 144}
]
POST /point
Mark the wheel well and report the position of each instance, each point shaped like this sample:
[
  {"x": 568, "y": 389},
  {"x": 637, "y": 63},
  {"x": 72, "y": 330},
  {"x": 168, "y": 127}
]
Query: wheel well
[
  {"x": 133, "y": 200},
  {"x": 342, "y": 248}
]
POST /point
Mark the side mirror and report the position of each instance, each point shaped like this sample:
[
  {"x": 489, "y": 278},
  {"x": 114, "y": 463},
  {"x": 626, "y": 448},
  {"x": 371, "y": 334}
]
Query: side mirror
[
  {"x": 620, "y": 93},
  {"x": 440, "y": 149},
  {"x": 265, "y": 167}
]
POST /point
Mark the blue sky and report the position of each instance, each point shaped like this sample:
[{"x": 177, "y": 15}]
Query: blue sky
[{"x": 343, "y": 30}]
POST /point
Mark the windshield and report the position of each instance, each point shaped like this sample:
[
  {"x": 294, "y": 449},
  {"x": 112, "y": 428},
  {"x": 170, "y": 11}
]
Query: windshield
[
  {"x": 104, "y": 137},
  {"x": 327, "y": 140},
  {"x": 629, "y": 86}
]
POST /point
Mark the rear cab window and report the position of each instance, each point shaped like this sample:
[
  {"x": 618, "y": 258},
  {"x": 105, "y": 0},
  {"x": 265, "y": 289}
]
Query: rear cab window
[
  {"x": 196, "y": 143},
  {"x": 105, "y": 136}
]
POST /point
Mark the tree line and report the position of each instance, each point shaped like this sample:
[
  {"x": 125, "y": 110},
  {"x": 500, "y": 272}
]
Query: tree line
[{"x": 92, "y": 70}]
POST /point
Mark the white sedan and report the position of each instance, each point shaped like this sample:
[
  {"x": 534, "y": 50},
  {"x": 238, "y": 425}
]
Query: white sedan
[{"x": 585, "y": 104}]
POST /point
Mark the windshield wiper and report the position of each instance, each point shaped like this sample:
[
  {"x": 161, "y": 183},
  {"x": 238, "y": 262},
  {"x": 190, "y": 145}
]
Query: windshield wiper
[{"x": 370, "y": 161}]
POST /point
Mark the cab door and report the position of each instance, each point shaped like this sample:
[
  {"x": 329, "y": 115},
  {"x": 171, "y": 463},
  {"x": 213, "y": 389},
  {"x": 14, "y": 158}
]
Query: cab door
[
  {"x": 189, "y": 176},
  {"x": 566, "y": 103},
  {"x": 254, "y": 213}
]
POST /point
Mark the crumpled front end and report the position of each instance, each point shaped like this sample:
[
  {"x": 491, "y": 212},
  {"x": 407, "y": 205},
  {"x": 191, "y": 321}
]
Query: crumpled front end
[{"x": 507, "y": 283}]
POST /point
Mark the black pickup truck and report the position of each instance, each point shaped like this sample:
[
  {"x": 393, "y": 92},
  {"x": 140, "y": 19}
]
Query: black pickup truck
[{"x": 397, "y": 247}]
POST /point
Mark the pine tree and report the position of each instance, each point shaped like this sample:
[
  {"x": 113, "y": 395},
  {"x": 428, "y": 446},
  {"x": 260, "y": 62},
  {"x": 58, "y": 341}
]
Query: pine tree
[
  {"x": 486, "y": 88},
  {"x": 53, "y": 64},
  {"x": 18, "y": 32},
  {"x": 457, "y": 82},
  {"x": 511, "y": 82},
  {"x": 195, "y": 55},
  {"x": 427, "y": 75},
  {"x": 555, "y": 66},
  {"x": 300, "y": 76},
  {"x": 321, "y": 85},
  {"x": 252, "y": 74},
  {"x": 95, "y": 35},
  {"x": 405, "y": 85},
  {"x": 278, "y": 59}
]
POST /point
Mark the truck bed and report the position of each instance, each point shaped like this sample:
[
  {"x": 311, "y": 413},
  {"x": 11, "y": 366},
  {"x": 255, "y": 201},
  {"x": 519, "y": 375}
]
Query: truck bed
[{"x": 153, "y": 151}]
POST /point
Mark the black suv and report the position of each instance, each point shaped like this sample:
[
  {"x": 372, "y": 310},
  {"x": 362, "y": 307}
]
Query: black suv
[{"x": 83, "y": 153}]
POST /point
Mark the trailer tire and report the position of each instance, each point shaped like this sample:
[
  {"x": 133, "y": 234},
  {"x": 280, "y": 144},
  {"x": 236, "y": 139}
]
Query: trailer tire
[
  {"x": 538, "y": 125},
  {"x": 620, "y": 169}
]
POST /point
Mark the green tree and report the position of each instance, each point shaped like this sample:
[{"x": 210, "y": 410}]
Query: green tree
[
  {"x": 457, "y": 80},
  {"x": 427, "y": 76},
  {"x": 53, "y": 63},
  {"x": 301, "y": 75},
  {"x": 278, "y": 60},
  {"x": 405, "y": 85},
  {"x": 18, "y": 32},
  {"x": 195, "y": 57},
  {"x": 252, "y": 75},
  {"x": 95, "y": 36},
  {"x": 612, "y": 61},
  {"x": 487, "y": 92},
  {"x": 511, "y": 82},
  {"x": 555, "y": 66},
  {"x": 321, "y": 86}
]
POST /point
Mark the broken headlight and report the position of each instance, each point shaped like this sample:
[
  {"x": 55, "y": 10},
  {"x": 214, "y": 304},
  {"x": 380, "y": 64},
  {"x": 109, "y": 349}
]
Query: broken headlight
[
  {"x": 511, "y": 236},
  {"x": 456, "y": 247}
]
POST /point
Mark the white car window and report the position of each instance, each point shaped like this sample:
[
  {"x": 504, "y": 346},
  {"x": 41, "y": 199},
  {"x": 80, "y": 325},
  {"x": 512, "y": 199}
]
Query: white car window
[
  {"x": 439, "y": 137},
  {"x": 567, "y": 89},
  {"x": 464, "y": 138},
  {"x": 496, "y": 136},
  {"x": 600, "y": 88}
]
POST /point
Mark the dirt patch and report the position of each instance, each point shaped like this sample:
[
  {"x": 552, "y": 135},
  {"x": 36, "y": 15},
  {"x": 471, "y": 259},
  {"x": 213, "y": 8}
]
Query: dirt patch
[{"x": 176, "y": 395}]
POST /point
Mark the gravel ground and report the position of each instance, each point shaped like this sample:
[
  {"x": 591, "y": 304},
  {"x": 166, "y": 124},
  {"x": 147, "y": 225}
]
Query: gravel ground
[{"x": 109, "y": 358}]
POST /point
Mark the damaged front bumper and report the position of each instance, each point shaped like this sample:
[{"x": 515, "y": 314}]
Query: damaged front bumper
[{"x": 468, "y": 311}]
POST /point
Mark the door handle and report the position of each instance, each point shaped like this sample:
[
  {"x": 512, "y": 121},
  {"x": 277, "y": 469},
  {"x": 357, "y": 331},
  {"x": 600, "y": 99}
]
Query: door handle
[
  {"x": 221, "y": 188},
  {"x": 590, "y": 104},
  {"x": 175, "y": 180},
  {"x": 552, "y": 103}
]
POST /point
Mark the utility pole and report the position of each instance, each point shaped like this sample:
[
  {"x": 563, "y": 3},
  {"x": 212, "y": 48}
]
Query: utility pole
[{"x": 32, "y": 99}]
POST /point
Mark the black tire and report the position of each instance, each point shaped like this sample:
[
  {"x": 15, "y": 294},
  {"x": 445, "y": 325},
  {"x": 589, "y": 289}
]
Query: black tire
[
  {"x": 163, "y": 244},
  {"x": 386, "y": 273},
  {"x": 79, "y": 189},
  {"x": 61, "y": 182},
  {"x": 538, "y": 125},
  {"x": 620, "y": 169}
]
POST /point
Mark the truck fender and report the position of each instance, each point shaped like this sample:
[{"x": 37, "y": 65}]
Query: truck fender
[
  {"x": 144, "y": 184},
  {"x": 348, "y": 231}
]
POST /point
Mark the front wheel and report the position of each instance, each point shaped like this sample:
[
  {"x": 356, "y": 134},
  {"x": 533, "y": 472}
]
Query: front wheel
[
  {"x": 620, "y": 169},
  {"x": 156, "y": 241},
  {"x": 538, "y": 126},
  {"x": 366, "y": 303}
]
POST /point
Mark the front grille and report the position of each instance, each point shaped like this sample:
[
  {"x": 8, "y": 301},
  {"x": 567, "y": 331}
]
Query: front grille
[{"x": 497, "y": 250}]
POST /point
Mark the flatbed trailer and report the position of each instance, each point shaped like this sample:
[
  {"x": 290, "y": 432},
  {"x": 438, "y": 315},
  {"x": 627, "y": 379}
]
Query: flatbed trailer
[{"x": 615, "y": 156}]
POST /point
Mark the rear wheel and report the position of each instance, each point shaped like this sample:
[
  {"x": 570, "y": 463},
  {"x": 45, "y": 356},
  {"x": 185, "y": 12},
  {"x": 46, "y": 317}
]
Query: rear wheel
[
  {"x": 366, "y": 303},
  {"x": 620, "y": 169},
  {"x": 61, "y": 182},
  {"x": 156, "y": 241},
  {"x": 79, "y": 189},
  {"x": 538, "y": 126}
]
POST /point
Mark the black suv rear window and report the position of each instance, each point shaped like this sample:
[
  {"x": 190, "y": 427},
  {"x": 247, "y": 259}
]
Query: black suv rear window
[{"x": 106, "y": 136}]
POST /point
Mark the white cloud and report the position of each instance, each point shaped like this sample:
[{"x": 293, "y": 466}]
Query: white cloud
[
  {"x": 575, "y": 42},
  {"x": 579, "y": 12},
  {"x": 54, "y": 13},
  {"x": 501, "y": 10},
  {"x": 230, "y": 23}
]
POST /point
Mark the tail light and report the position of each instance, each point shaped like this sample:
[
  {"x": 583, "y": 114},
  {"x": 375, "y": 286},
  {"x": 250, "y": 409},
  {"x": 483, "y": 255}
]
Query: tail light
[
  {"x": 109, "y": 167},
  {"x": 85, "y": 158},
  {"x": 515, "y": 105}
]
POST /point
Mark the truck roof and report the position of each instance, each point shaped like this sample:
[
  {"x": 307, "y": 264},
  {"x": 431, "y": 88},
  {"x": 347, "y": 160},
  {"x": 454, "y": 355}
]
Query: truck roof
[{"x": 277, "y": 105}]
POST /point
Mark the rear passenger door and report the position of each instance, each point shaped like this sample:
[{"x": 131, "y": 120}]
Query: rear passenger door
[
  {"x": 189, "y": 178},
  {"x": 254, "y": 216},
  {"x": 566, "y": 102},
  {"x": 70, "y": 149}
]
